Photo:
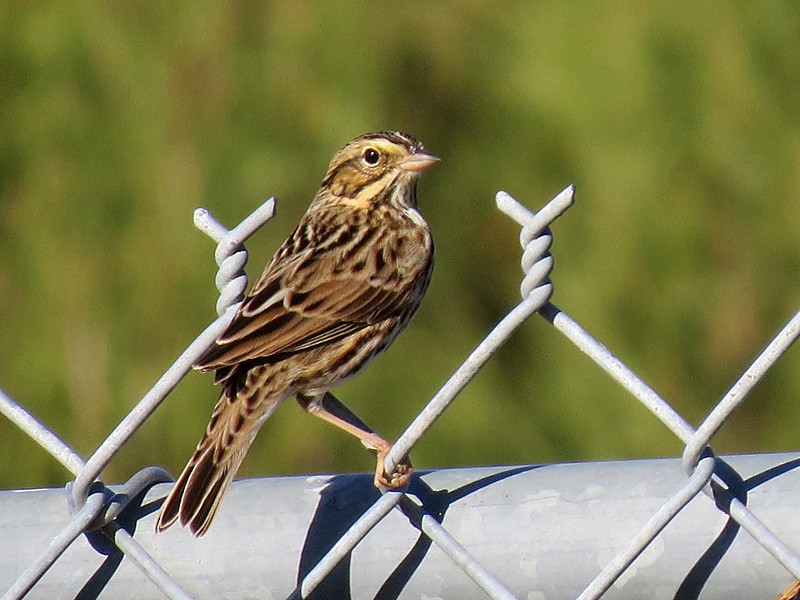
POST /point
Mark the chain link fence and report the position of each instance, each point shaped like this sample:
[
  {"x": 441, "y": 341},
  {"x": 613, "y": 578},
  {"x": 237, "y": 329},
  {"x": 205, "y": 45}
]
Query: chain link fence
[{"x": 561, "y": 531}]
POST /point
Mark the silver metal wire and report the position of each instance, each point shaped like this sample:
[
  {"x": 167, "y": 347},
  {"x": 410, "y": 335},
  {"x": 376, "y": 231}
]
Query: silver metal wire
[
  {"x": 737, "y": 394},
  {"x": 140, "y": 413},
  {"x": 61, "y": 541},
  {"x": 96, "y": 510},
  {"x": 40, "y": 434},
  {"x": 347, "y": 542},
  {"x": 669, "y": 510}
]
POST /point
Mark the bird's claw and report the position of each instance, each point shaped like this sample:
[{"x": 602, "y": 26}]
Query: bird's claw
[{"x": 398, "y": 478}]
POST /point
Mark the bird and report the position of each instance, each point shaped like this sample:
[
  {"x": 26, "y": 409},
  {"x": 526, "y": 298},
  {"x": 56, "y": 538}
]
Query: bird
[{"x": 334, "y": 296}]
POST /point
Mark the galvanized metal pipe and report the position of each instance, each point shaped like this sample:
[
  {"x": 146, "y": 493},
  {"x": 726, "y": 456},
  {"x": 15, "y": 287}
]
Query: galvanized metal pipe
[{"x": 544, "y": 531}]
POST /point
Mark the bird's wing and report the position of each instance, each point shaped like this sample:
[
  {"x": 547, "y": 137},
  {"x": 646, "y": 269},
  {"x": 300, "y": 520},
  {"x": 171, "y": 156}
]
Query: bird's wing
[{"x": 307, "y": 300}]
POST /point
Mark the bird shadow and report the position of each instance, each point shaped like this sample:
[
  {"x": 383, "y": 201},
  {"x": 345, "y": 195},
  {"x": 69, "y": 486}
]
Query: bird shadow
[{"x": 346, "y": 499}]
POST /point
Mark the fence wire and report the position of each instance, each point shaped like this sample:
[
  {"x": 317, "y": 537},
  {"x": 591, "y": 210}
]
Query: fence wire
[{"x": 100, "y": 514}]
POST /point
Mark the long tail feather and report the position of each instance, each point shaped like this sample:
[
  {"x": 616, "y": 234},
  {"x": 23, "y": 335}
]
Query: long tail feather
[{"x": 196, "y": 496}]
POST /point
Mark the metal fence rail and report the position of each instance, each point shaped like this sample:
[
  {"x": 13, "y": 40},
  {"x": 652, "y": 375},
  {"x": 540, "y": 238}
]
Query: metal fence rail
[
  {"x": 636, "y": 529},
  {"x": 545, "y": 530}
]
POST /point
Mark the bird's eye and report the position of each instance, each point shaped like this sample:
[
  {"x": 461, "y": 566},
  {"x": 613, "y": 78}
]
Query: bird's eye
[{"x": 371, "y": 156}]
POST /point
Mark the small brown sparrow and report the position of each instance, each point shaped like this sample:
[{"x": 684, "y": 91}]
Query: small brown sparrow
[{"x": 334, "y": 296}]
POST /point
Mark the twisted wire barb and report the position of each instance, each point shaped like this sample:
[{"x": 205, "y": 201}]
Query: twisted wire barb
[
  {"x": 231, "y": 280},
  {"x": 229, "y": 243},
  {"x": 105, "y": 507},
  {"x": 537, "y": 289},
  {"x": 533, "y": 224},
  {"x": 95, "y": 507},
  {"x": 534, "y": 240}
]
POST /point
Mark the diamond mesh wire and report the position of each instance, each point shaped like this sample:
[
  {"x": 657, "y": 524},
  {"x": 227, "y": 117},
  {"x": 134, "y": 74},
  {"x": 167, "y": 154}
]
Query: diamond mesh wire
[{"x": 97, "y": 510}]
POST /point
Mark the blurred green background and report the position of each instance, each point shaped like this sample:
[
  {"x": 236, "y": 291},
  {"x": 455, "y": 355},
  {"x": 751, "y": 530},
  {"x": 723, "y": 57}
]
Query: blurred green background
[{"x": 679, "y": 125}]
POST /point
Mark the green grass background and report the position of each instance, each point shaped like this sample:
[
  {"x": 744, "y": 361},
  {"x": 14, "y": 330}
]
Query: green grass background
[{"x": 679, "y": 124}]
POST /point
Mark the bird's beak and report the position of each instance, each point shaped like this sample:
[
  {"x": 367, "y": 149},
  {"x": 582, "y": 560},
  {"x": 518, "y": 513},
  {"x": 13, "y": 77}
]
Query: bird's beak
[{"x": 418, "y": 162}]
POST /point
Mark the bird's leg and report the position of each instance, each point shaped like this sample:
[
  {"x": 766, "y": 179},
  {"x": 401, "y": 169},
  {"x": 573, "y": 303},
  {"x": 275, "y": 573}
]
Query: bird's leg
[{"x": 328, "y": 408}]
